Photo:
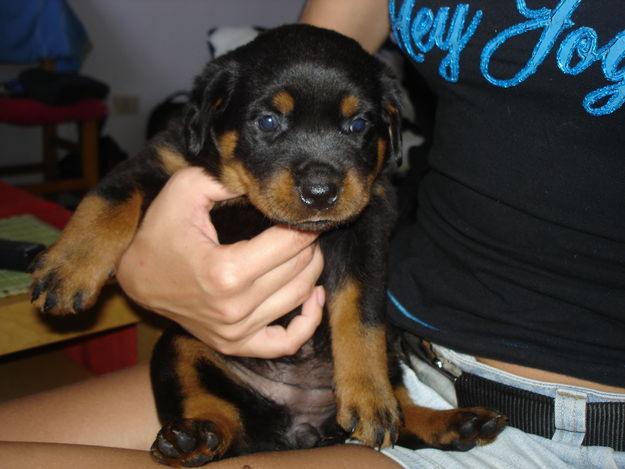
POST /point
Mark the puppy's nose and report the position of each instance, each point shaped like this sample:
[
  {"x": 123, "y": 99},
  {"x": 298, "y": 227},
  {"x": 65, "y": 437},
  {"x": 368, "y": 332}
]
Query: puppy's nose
[{"x": 319, "y": 194}]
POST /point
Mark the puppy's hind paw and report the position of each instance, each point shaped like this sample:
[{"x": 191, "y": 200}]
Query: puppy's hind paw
[{"x": 188, "y": 443}]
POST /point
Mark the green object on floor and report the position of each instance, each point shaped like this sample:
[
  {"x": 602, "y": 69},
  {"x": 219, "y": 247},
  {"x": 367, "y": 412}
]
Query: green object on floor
[{"x": 22, "y": 228}]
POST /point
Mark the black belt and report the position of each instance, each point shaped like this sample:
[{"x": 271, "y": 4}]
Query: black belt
[{"x": 528, "y": 411}]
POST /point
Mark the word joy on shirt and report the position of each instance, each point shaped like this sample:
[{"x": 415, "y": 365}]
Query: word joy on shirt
[{"x": 418, "y": 34}]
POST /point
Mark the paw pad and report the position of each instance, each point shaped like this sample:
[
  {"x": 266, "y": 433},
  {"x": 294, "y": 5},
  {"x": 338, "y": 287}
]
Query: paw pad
[{"x": 187, "y": 443}]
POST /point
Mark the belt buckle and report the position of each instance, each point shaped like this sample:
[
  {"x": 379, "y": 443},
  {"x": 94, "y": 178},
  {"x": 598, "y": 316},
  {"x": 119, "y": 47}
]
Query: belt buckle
[{"x": 423, "y": 349}]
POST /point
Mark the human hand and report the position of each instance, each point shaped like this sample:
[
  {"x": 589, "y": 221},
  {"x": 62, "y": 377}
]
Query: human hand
[{"x": 225, "y": 295}]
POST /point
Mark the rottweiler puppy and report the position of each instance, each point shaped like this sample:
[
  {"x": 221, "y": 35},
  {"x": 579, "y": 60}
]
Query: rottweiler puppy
[{"x": 302, "y": 121}]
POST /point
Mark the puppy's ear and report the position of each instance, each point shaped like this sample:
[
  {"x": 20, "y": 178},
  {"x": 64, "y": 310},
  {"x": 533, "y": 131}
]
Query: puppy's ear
[
  {"x": 211, "y": 94},
  {"x": 391, "y": 105}
]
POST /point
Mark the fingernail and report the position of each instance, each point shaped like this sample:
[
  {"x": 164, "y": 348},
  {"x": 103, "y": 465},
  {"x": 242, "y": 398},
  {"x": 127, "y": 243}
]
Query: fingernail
[{"x": 321, "y": 296}]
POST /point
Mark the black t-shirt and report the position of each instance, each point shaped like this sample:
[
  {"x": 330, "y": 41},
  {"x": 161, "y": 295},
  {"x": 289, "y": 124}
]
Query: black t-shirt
[{"x": 519, "y": 249}]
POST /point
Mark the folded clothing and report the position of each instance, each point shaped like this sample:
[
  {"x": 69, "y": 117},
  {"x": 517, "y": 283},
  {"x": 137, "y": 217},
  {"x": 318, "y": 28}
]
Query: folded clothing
[{"x": 60, "y": 88}]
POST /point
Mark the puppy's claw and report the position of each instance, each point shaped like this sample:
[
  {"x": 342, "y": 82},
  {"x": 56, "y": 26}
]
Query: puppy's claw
[
  {"x": 50, "y": 303},
  {"x": 78, "y": 302},
  {"x": 36, "y": 292},
  {"x": 166, "y": 447}
]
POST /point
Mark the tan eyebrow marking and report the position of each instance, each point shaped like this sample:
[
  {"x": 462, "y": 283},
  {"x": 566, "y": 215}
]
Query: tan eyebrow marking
[
  {"x": 349, "y": 105},
  {"x": 283, "y": 102}
]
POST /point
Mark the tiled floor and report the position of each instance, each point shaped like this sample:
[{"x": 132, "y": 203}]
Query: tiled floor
[{"x": 48, "y": 368}]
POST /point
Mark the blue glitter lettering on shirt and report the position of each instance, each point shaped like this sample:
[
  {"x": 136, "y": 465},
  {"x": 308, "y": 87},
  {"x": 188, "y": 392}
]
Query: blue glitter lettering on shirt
[
  {"x": 553, "y": 22},
  {"x": 583, "y": 43},
  {"x": 418, "y": 34},
  {"x": 529, "y": 13},
  {"x": 401, "y": 28},
  {"x": 613, "y": 57},
  {"x": 457, "y": 40},
  {"x": 421, "y": 27},
  {"x": 411, "y": 33}
]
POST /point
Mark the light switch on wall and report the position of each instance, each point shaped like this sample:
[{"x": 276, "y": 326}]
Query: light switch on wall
[{"x": 125, "y": 104}]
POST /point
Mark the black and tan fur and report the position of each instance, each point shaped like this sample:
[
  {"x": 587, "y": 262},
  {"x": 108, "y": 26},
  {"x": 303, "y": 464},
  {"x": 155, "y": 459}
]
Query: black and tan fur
[{"x": 323, "y": 169}]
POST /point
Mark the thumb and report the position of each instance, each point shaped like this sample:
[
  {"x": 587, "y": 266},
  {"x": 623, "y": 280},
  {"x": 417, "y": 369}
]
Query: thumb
[
  {"x": 195, "y": 193},
  {"x": 202, "y": 187}
]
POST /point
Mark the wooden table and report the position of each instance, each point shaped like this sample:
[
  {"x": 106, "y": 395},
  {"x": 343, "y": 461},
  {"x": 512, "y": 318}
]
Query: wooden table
[{"x": 22, "y": 328}]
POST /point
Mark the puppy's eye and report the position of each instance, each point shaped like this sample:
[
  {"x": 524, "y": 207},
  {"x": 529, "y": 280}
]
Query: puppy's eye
[
  {"x": 357, "y": 125},
  {"x": 267, "y": 123}
]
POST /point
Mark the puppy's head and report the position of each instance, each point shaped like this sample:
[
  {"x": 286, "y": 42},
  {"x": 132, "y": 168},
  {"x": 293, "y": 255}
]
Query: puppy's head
[{"x": 301, "y": 120}]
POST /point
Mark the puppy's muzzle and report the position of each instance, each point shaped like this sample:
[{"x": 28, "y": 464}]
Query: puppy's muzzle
[{"x": 318, "y": 186}]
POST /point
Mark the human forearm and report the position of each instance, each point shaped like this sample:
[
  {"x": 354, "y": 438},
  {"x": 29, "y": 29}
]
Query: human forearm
[{"x": 364, "y": 20}]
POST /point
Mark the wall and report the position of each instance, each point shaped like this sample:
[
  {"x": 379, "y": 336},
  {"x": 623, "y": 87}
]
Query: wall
[{"x": 147, "y": 48}]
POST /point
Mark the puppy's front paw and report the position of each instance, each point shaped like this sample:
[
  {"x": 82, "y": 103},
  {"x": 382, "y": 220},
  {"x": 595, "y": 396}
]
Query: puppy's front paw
[
  {"x": 454, "y": 430},
  {"x": 67, "y": 279},
  {"x": 188, "y": 443},
  {"x": 369, "y": 414},
  {"x": 470, "y": 427}
]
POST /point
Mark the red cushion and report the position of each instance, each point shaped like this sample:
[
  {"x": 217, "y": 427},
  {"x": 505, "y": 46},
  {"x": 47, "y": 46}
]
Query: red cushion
[
  {"x": 28, "y": 112},
  {"x": 14, "y": 201}
]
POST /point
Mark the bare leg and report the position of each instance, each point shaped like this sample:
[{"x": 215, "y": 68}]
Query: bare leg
[
  {"x": 58, "y": 456},
  {"x": 114, "y": 410},
  {"x": 62, "y": 456},
  {"x": 111, "y": 422}
]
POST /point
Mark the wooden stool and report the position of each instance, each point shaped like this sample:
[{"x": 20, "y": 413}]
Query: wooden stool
[{"x": 86, "y": 114}]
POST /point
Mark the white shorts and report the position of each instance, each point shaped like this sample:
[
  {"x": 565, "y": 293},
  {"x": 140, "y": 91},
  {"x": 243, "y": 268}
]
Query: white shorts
[{"x": 513, "y": 448}]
